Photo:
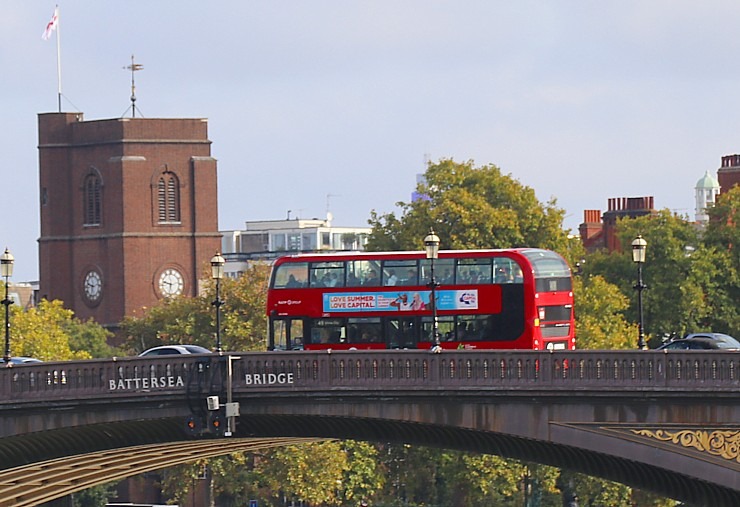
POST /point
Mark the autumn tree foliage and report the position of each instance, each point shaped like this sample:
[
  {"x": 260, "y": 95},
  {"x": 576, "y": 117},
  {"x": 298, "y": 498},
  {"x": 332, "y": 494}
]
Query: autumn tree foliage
[{"x": 50, "y": 332}]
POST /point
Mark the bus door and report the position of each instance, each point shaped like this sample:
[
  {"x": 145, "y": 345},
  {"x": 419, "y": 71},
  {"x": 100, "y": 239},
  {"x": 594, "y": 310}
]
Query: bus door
[
  {"x": 445, "y": 328},
  {"x": 286, "y": 334},
  {"x": 402, "y": 332}
]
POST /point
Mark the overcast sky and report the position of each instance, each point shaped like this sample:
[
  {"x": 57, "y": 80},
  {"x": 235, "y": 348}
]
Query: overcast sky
[{"x": 338, "y": 103}]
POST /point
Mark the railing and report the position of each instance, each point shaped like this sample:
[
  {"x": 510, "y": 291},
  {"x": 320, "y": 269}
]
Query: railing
[{"x": 606, "y": 371}]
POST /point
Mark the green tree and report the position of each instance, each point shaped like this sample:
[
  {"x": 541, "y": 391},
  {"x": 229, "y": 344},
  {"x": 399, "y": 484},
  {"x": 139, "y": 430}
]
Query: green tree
[
  {"x": 96, "y": 496},
  {"x": 310, "y": 472},
  {"x": 411, "y": 474},
  {"x": 176, "y": 320},
  {"x": 191, "y": 320},
  {"x": 598, "y": 492},
  {"x": 690, "y": 284},
  {"x": 600, "y": 320},
  {"x": 423, "y": 476},
  {"x": 179, "y": 482},
  {"x": 722, "y": 238},
  {"x": 363, "y": 478},
  {"x": 90, "y": 337},
  {"x": 477, "y": 479},
  {"x": 672, "y": 302},
  {"x": 723, "y": 230},
  {"x": 245, "y": 300},
  {"x": 470, "y": 207}
]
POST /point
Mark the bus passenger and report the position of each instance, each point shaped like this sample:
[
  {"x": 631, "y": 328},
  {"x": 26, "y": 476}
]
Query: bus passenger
[
  {"x": 461, "y": 331},
  {"x": 392, "y": 278},
  {"x": 411, "y": 278},
  {"x": 372, "y": 279},
  {"x": 518, "y": 276},
  {"x": 292, "y": 282},
  {"x": 352, "y": 280}
]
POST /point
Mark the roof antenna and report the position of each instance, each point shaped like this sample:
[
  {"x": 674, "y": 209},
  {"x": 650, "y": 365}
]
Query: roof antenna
[
  {"x": 133, "y": 68},
  {"x": 329, "y": 215}
]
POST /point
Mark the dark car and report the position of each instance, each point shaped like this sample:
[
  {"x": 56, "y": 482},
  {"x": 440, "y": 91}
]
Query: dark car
[
  {"x": 169, "y": 350},
  {"x": 702, "y": 341}
]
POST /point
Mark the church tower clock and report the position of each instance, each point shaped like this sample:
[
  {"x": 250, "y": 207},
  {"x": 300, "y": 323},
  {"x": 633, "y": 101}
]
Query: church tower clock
[{"x": 128, "y": 212}]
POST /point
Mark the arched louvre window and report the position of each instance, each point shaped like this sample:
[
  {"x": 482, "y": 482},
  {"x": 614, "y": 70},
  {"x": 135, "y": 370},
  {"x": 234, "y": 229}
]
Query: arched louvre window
[
  {"x": 92, "y": 199},
  {"x": 168, "y": 197}
]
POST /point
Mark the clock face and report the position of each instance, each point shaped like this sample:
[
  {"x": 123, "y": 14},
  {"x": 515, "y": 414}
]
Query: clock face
[
  {"x": 93, "y": 286},
  {"x": 170, "y": 283}
]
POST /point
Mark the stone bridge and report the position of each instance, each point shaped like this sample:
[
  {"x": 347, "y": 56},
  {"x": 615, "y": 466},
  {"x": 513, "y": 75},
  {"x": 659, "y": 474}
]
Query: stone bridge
[{"x": 667, "y": 422}]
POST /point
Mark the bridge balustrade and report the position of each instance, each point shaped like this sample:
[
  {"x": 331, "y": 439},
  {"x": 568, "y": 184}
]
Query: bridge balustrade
[
  {"x": 499, "y": 370},
  {"x": 601, "y": 369},
  {"x": 682, "y": 370},
  {"x": 625, "y": 370}
]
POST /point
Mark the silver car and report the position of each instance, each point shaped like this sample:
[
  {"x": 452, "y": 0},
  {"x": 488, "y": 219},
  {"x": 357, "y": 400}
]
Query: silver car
[{"x": 169, "y": 350}]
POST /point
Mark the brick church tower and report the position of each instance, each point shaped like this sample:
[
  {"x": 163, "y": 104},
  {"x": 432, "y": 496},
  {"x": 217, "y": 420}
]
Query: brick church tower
[{"x": 128, "y": 212}]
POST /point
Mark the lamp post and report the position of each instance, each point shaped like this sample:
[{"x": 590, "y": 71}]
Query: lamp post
[
  {"x": 431, "y": 243},
  {"x": 6, "y": 271},
  {"x": 639, "y": 246},
  {"x": 217, "y": 273}
]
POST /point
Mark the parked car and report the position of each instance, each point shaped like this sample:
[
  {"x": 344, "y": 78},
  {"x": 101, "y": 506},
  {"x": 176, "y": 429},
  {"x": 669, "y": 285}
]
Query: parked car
[
  {"x": 21, "y": 360},
  {"x": 702, "y": 341},
  {"x": 169, "y": 350}
]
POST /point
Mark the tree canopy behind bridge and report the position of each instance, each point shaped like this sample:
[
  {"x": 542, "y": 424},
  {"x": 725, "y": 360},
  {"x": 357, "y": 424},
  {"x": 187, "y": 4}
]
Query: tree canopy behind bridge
[{"x": 470, "y": 207}]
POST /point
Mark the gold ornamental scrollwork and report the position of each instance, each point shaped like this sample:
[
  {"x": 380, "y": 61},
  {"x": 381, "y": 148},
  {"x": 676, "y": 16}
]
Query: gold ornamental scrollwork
[{"x": 722, "y": 443}]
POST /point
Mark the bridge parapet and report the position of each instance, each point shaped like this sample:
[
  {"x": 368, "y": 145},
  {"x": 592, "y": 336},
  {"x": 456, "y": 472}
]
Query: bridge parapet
[{"x": 511, "y": 371}]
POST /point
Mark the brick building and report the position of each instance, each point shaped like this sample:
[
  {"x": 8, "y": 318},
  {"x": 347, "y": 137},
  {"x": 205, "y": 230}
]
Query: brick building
[
  {"x": 128, "y": 212},
  {"x": 728, "y": 174},
  {"x": 599, "y": 231}
]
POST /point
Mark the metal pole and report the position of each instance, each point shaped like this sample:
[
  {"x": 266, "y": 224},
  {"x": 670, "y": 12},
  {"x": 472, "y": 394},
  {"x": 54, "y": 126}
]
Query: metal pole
[
  {"x": 640, "y": 287},
  {"x": 435, "y": 322},
  {"x": 232, "y": 409},
  {"x": 217, "y": 304},
  {"x": 7, "y": 302}
]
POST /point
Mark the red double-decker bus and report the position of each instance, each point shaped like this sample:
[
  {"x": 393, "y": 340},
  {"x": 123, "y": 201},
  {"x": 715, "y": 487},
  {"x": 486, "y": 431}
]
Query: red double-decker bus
[{"x": 488, "y": 299}]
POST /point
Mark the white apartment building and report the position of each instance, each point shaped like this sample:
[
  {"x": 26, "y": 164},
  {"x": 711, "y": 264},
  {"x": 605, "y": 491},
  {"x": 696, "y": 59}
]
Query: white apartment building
[{"x": 268, "y": 239}]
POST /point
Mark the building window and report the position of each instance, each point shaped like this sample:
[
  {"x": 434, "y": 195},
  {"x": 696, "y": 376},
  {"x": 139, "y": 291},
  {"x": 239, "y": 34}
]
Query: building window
[
  {"x": 294, "y": 241},
  {"x": 309, "y": 242},
  {"x": 92, "y": 199},
  {"x": 278, "y": 242},
  {"x": 168, "y": 198}
]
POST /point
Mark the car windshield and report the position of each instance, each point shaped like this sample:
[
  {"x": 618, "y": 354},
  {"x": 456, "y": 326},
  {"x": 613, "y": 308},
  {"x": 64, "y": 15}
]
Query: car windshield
[
  {"x": 196, "y": 349},
  {"x": 727, "y": 342}
]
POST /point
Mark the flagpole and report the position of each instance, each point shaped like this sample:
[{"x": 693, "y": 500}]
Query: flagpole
[{"x": 59, "y": 63}]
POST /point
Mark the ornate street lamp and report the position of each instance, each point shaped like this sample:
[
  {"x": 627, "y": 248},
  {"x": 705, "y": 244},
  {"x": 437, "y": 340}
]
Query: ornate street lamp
[
  {"x": 431, "y": 243},
  {"x": 6, "y": 271},
  {"x": 217, "y": 273},
  {"x": 639, "y": 246}
]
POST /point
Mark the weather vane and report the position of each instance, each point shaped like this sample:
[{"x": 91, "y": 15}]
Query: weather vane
[{"x": 133, "y": 68}]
